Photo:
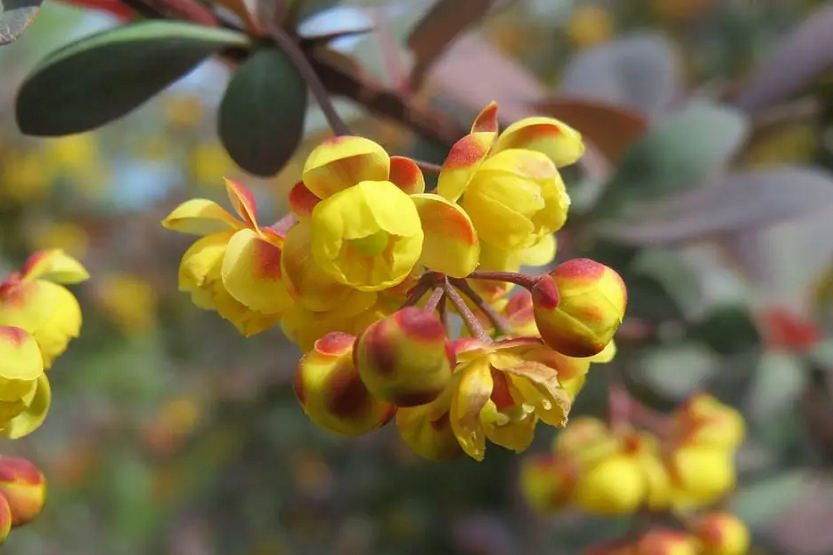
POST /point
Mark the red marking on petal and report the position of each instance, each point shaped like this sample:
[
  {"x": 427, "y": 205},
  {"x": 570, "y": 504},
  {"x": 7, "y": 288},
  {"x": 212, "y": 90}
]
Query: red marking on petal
[
  {"x": 526, "y": 135},
  {"x": 405, "y": 174},
  {"x": 419, "y": 324},
  {"x": 545, "y": 293},
  {"x": 15, "y": 469},
  {"x": 335, "y": 343},
  {"x": 302, "y": 200},
  {"x": 416, "y": 398},
  {"x": 450, "y": 354},
  {"x": 580, "y": 268},
  {"x": 465, "y": 152},
  {"x": 441, "y": 423},
  {"x": 267, "y": 260},
  {"x": 347, "y": 396},
  {"x": 500, "y": 392},
  {"x": 33, "y": 261},
  {"x": 486, "y": 120},
  {"x": 15, "y": 336},
  {"x": 391, "y": 412},
  {"x": 378, "y": 349},
  {"x": 463, "y": 344},
  {"x": 243, "y": 201}
]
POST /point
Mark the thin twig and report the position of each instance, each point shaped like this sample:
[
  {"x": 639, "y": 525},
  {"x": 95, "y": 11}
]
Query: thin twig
[
  {"x": 500, "y": 323},
  {"x": 428, "y": 167},
  {"x": 443, "y": 309},
  {"x": 523, "y": 280},
  {"x": 434, "y": 300},
  {"x": 316, "y": 86},
  {"x": 472, "y": 323}
]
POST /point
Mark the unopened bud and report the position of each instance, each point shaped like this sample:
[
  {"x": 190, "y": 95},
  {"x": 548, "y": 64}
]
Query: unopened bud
[
  {"x": 331, "y": 392},
  {"x": 579, "y": 306},
  {"x": 667, "y": 542},
  {"x": 547, "y": 482},
  {"x": 610, "y": 487},
  {"x": 406, "y": 358},
  {"x": 723, "y": 534},
  {"x": 24, "y": 487}
]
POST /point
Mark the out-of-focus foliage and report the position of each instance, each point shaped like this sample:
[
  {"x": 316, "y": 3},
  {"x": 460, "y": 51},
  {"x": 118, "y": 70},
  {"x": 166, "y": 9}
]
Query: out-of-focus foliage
[{"x": 707, "y": 185}]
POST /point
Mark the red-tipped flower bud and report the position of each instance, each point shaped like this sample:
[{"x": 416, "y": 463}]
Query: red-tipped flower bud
[
  {"x": 5, "y": 519},
  {"x": 329, "y": 388},
  {"x": 547, "y": 482},
  {"x": 667, "y": 542},
  {"x": 579, "y": 306},
  {"x": 723, "y": 534},
  {"x": 427, "y": 430},
  {"x": 24, "y": 487},
  {"x": 406, "y": 358}
]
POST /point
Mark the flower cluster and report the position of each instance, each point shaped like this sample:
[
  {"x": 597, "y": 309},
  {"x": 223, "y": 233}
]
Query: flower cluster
[
  {"x": 38, "y": 318},
  {"x": 686, "y": 466},
  {"x": 365, "y": 271}
]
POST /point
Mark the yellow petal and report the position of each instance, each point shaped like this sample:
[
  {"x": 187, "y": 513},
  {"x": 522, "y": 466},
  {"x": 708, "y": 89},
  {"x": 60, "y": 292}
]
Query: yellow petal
[
  {"x": 200, "y": 217},
  {"x": 606, "y": 355},
  {"x": 473, "y": 392},
  {"x": 243, "y": 202},
  {"x": 539, "y": 254},
  {"x": 20, "y": 359},
  {"x": 405, "y": 174},
  {"x": 342, "y": 162},
  {"x": 462, "y": 162},
  {"x": 47, "y": 311},
  {"x": 33, "y": 415},
  {"x": 247, "y": 321},
  {"x": 486, "y": 120},
  {"x": 302, "y": 201},
  {"x": 561, "y": 143},
  {"x": 315, "y": 289},
  {"x": 368, "y": 236},
  {"x": 252, "y": 273},
  {"x": 54, "y": 265},
  {"x": 451, "y": 245}
]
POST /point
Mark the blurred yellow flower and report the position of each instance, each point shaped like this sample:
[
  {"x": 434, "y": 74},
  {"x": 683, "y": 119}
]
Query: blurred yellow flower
[
  {"x": 589, "y": 25},
  {"x": 129, "y": 301},
  {"x": 208, "y": 160},
  {"x": 69, "y": 236},
  {"x": 184, "y": 110}
]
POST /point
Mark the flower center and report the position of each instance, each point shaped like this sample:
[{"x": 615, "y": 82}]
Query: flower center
[{"x": 372, "y": 244}]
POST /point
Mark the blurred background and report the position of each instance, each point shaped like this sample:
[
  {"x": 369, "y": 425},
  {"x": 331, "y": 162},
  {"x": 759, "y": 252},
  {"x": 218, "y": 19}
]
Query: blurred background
[{"x": 708, "y": 186}]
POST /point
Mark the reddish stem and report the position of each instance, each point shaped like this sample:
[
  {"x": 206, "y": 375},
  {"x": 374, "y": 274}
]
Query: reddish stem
[
  {"x": 282, "y": 226},
  {"x": 500, "y": 323},
  {"x": 434, "y": 300},
  {"x": 472, "y": 323},
  {"x": 524, "y": 280},
  {"x": 428, "y": 167}
]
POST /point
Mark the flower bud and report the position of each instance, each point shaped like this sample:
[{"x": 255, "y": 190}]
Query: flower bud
[
  {"x": 703, "y": 420},
  {"x": 613, "y": 486},
  {"x": 406, "y": 358},
  {"x": 579, "y": 306},
  {"x": 723, "y": 534},
  {"x": 5, "y": 519},
  {"x": 427, "y": 430},
  {"x": 547, "y": 482},
  {"x": 667, "y": 542},
  {"x": 331, "y": 392},
  {"x": 24, "y": 487},
  {"x": 700, "y": 475}
]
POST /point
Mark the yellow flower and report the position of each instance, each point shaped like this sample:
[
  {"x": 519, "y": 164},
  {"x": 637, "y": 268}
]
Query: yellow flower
[
  {"x": 70, "y": 237},
  {"x": 368, "y": 236},
  {"x": 130, "y": 301},
  {"x": 503, "y": 389},
  {"x": 24, "y": 388},
  {"x": 235, "y": 268},
  {"x": 589, "y": 25},
  {"x": 663, "y": 541},
  {"x": 355, "y": 170},
  {"x": 24, "y": 487},
  {"x": 508, "y": 183},
  {"x": 34, "y": 301}
]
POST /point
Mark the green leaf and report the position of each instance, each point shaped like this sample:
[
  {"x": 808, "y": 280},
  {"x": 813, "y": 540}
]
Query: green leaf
[
  {"x": 15, "y": 18},
  {"x": 681, "y": 151},
  {"x": 106, "y": 75},
  {"x": 760, "y": 503},
  {"x": 728, "y": 330},
  {"x": 261, "y": 119}
]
